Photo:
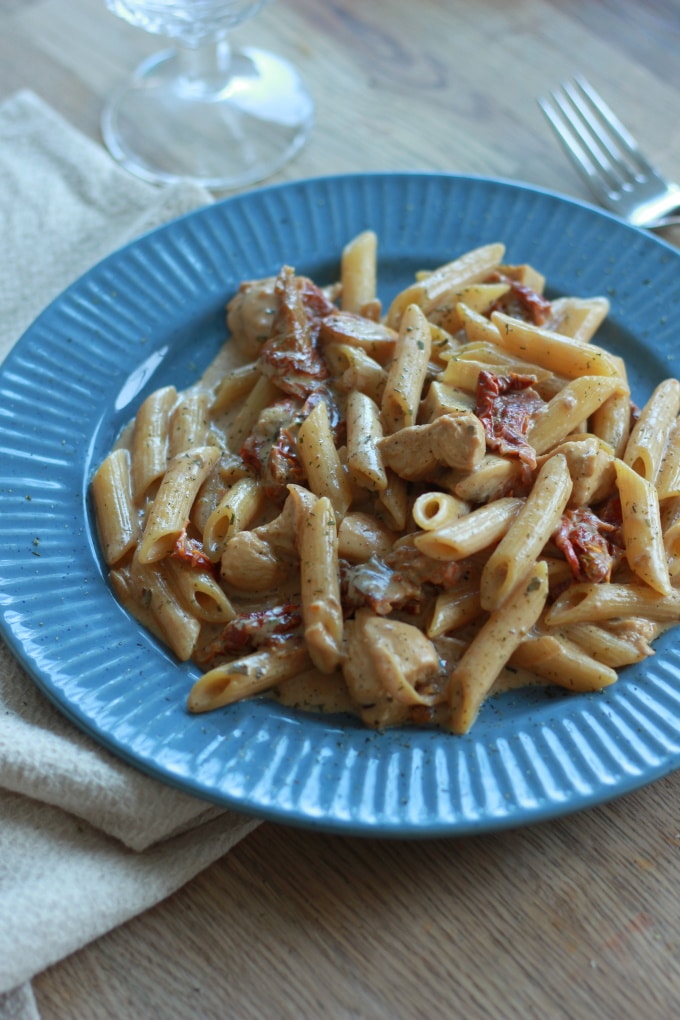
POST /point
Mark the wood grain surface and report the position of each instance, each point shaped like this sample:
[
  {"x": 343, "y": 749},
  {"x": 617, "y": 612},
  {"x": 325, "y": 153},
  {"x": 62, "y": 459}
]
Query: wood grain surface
[{"x": 576, "y": 918}]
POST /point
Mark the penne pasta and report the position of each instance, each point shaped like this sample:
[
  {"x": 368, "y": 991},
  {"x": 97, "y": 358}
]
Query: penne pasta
[
  {"x": 477, "y": 327},
  {"x": 443, "y": 399},
  {"x": 615, "y": 650},
  {"x": 238, "y": 508},
  {"x": 364, "y": 432},
  {"x": 149, "y": 445},
  {"x": 129, "y": 597},
  {"x": 188, "y": 426},
  {"x": 476, "y": 531},
  {"x": 326, "y": 474},
  {"x": 579, "y": 318},
  {"x": 393, "y": 502},
  {"x": 117, "y": 517},
  {"x": 235, "y": 385},
  {"x": 246, "y": 677},
  {"x": 433, "y": 288},
  {"x": 347, "y": 329},
  {"x": 171, "y": 507},
  {"x": 455, "y": 609},
  {"x": 563, "y": 663},
  {"x": 648, "y": 439},
  {"x": 516, "y": 554},
  {"x": 488, "y": 481},
  {"x": 558, "y": 353},
  {"x": 434, "y": 510},
  {"x": 151, "y": 590},
  {"x": 593, "y": 603},
  {"x": 358, "y": 272},
  {"x": 476, "y": 672},
  {"x": 669, "y": 516},
  {"x": 354, "y": 369},
  {"x": 478, "y": 297},
  {"x": 667, "y": 480},
  {"x": 200, "y": 592},
  {"x": 611, "y": 421},
  {"x": 262, "y": 394},
  {"x": 406, "y": 374},
  {"x": 569, "y": 408},
  {"x": 319, "y": 589},
  {"x": 641, "y": 524}
]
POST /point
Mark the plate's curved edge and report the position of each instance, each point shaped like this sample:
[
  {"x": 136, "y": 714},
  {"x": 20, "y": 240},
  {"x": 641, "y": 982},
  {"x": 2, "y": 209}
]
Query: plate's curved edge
[
  {"x": 354, "y": 828},
  {"x": 491, "y": 819},
  {"x": 329, "y": 181}
]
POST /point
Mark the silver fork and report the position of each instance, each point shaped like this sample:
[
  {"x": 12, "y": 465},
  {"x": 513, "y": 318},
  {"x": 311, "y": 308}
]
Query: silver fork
[{"x": 608, "y": 157}]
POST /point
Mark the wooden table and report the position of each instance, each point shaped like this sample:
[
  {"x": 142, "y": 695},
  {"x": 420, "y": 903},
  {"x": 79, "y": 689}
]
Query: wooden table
[{"x": 575, "y": 918}]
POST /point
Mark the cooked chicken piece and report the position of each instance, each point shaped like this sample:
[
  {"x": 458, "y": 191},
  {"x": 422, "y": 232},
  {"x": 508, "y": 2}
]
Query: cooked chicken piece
[
  {"x": 390, "y": 659},
  {"x": 455, "y": 440},
  {"x": 250, "y": 314}
]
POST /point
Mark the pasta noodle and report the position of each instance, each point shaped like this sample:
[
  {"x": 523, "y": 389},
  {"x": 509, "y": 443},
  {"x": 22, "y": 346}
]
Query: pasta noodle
[
  {"x": 319, "y": 586},
  {"x": 539, "y": 516},
  {"x": 358, "y": 272},
  {"x": 406, "y": 375},
  {"x": 419, "y": 504},
  {"x": 490, "y": 649},
  {"x": 150, "y": 440},
  {"x": 170, "y": 509},
  {"x": 112, "y": 491}
]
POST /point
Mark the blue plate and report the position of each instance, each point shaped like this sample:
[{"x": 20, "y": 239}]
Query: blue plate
[{"x": 153, "y": 313}]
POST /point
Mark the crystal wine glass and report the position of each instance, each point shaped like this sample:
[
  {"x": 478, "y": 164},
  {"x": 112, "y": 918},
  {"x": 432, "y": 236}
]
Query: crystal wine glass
[{"x": 203, "y": 111}]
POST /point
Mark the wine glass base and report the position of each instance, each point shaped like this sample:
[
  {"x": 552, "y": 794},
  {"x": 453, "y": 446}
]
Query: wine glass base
[{"x": 165, "y": 126}]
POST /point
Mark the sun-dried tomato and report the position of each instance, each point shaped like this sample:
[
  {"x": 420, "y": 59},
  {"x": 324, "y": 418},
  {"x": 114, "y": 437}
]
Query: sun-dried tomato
[
  {"x": 285, "y": 466},
  {"x": 582, "y": 537},
  {"x": 505, "y": 405},
  {"x": 522, "y": 302},
  {"x": 262, "y": 628},
  {"x": 610, "y": 512},
  {"x": 190, "y": 551},
  {"x": 291, "y": 356}
]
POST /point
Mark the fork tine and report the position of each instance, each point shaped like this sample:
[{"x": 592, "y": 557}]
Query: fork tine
[
  {"x": 617, "y": 130},
  {"x": 562, "y": 125},
  {"x": 590, "y": 140}
]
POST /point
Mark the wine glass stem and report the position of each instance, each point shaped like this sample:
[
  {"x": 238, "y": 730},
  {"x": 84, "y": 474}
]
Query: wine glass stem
[{"x": 204, "y": 67}]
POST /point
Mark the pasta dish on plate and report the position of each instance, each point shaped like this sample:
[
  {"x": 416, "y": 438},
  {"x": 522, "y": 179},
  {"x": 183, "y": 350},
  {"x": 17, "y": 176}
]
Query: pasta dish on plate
[{"x": 400, "y": 511}]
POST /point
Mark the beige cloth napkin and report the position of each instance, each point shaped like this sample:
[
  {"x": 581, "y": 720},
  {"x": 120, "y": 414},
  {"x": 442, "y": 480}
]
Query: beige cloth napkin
[{"x": 86, "y": 841}]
